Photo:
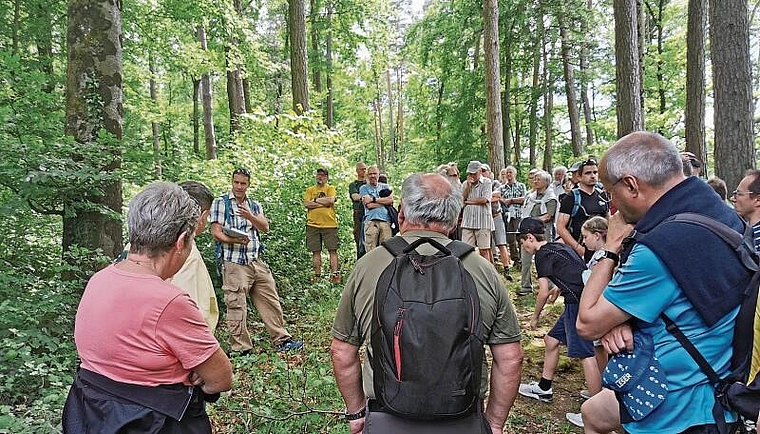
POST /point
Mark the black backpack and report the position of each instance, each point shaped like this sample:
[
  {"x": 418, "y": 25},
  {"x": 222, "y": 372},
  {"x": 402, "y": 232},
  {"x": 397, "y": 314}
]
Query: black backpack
[
  {"x": 733, "y": 392},
  {"x": 427, "y": 334}
]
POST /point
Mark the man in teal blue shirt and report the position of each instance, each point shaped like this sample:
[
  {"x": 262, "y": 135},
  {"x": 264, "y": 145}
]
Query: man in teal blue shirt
[{"x": 699, "y": 289}]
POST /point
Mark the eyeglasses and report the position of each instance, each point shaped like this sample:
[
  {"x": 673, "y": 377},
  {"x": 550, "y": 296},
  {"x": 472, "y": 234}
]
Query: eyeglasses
[
  {"x": 589, "y": 162},
  {"x": 741, "y": 193},
  {"x": 241, "y": 171}
]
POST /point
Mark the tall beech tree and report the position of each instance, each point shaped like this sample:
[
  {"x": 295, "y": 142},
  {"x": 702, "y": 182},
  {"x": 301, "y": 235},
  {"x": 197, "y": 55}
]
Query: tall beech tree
[
  {"x": 299, "y": 74},
  {"x": 94, "y": 120},
  {"x": 732, "y": 84},
  {"x": 493, "y": 80}
]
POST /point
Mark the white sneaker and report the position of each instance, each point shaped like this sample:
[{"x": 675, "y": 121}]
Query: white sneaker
[
  {"x": 585, "y": 394},
  {"x": 531, "y": 390},
  {"x": 575, "y": 419}
]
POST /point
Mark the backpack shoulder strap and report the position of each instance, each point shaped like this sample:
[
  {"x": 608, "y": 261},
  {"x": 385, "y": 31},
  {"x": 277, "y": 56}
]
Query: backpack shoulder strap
[
  {"x": 576, "y": 202},
  {"x": 737, "y": 241},
  {"x": 227, "y": 207},
  {"x": 395, "y": 245},
  {"x": 460, "y": 249}
]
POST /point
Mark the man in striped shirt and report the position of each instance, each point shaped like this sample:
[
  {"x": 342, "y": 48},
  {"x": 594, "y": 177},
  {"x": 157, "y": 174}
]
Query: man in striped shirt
[
  {"x": 244, "y": 271},
  {"x": 477, "y": 221},
  {"x": 746, "y": 200}
]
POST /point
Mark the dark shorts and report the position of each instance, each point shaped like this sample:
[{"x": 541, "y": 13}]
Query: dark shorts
[
  {"x": 564, "y": 331},
  {"x": 315, "y": 237}
]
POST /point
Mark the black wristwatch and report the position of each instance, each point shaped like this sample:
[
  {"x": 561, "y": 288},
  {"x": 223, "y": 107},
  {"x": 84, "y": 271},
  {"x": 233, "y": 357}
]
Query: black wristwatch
[
  {"x": 606, "y": 254},
  {"x": 355, "y": 416}
]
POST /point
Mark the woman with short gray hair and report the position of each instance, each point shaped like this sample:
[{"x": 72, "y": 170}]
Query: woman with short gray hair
[
  {"x": 147, "y": 355},
  {"x": 542, "y": 204}
]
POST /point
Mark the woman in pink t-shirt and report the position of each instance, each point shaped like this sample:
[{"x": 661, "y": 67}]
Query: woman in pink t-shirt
[{"x": 143, "y": 340}]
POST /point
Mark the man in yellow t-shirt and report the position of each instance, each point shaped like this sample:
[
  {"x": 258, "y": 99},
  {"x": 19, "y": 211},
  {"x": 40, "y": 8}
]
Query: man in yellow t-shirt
[{"x": 322, "y": 224}]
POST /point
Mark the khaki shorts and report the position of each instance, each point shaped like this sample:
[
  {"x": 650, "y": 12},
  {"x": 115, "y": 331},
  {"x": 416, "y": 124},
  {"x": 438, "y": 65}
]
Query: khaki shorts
[
  {"x": 316, "y": 236},
  {"x": 480, "y": 238}
]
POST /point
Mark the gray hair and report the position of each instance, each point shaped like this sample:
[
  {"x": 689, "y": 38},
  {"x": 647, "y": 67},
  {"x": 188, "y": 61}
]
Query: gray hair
[
  {"x": 544, "y": 176},
  {"x": 562, "y": 169},
  {"x": 157, "y": 217},
  {"x": 430, "y": 202},
  {"x": 647, "y": 156}
]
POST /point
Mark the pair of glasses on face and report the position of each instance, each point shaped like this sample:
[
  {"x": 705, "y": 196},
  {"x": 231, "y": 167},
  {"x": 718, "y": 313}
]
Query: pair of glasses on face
[{"x": 737, "y": 193}]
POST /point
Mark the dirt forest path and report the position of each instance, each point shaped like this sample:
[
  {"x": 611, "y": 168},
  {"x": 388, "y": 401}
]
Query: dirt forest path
[{"x": 530, "y": 415}]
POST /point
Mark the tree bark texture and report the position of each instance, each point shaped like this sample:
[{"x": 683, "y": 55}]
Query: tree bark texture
[
  {"x": 548, "y": 89},
  {"x": 298, "y": 63},
  {"x": 208, "y": 103},
  {"x": 493, "y": 83},
  {"x": 588, "y": 114},
  {"x": 94, "y": 106},
  {"x": 570, "y": 92},
  {"x": 695, "y": 80},
  {"x": 535, "y": 90},
  {"x": 391, "y": 124},
  {"x": 330, "y": 117},
  {"x": 627, "y": 71},
  {"x": 196, "y": 116},
  {"x": 157, "y": 171},
  {"x": 314, "y": 56},
  {"x": 732, "y": 84}
]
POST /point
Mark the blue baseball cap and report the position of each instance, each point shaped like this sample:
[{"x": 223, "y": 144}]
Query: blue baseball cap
[{"x": 637, "y": 377}]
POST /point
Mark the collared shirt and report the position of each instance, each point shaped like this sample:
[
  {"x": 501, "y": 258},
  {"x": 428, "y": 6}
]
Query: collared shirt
[
  {"x": 511, "y": 191},
  {"x": 478, "y": 216},
  {"x": 237, "y": 253},
  {"x": 379, "y": 213}
]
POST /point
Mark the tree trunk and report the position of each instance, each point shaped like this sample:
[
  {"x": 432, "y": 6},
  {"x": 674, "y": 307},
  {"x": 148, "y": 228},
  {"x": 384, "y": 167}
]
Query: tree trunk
[
  {"x": 208, "y": 114},
  {"x": 695, "y": 80},
  {"x": 154, "y": 125},
  {"x": 16, "y": 25},
  {"x": 642, "y": 31},
  {"x": 43, "y": 36},
  {"x": 548, "y": 88},
  {"x": 506, "y": 122},
  {"x": 439, "y": 112},
  {"x": 246, "y": 95},
  {"x": 493, "y": 83},
  {"x": 235, "y": 92},
  {"x": 329, "y": 67},
  {"x": 298, "y": 66},
  {"x": 628, "y": 103},
  {"x": 314, "y": 55},
  {"x": 732, "y": 83},
  {"x": 572, "y": 99},
  {"x": 535, "y": 90},
  {"x": 196, "y": 116},
  {"x": 400, "y": 117},
  {"x": 588, "y": 115},
  {"x": 94, "y": 106},
  {"x": 391, "y": 124}
]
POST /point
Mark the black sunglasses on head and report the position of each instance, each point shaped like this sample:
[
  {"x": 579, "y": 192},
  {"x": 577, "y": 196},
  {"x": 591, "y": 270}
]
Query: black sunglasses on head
[{"x": 241, "y": 171}]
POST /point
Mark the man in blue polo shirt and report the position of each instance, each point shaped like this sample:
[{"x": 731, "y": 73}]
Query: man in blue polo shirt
[
  {"x": 377, "y": 220},
  {"x": 699, "y": 289}
]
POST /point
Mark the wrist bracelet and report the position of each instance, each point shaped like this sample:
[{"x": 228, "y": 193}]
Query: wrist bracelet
[{"x": 355, "y": 416}]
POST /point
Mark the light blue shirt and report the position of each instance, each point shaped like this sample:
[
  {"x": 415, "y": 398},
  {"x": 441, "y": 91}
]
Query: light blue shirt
[
  {"x": 644, "y": 288},
  {"x": 379, "y": 213}
]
